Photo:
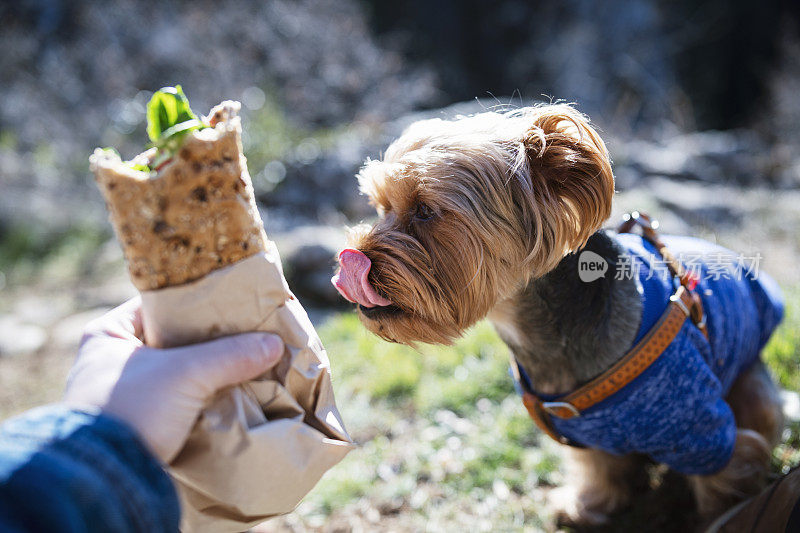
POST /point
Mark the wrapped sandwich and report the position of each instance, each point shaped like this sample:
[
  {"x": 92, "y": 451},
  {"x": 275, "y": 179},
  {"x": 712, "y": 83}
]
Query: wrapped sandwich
[{"x": 185, "y": 215}]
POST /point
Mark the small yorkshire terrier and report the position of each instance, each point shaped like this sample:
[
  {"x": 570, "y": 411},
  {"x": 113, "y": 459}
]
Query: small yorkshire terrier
[{"x": 486, "y": 216}]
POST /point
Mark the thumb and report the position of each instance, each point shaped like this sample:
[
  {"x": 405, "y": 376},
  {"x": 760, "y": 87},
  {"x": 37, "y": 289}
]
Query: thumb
[{"x": 231, "y": 360}]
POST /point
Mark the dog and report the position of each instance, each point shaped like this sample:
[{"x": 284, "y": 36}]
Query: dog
[{"x": 488, "y": 216}]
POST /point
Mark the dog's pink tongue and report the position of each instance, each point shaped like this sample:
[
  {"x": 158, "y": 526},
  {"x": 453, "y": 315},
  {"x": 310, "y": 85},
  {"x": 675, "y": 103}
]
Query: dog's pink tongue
[{"x": 351, "y": 280}]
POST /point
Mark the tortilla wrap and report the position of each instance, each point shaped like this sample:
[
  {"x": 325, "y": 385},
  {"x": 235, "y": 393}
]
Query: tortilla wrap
[
  {"x": 197, "y": 251},
  {"x": 198, "y": 215}
]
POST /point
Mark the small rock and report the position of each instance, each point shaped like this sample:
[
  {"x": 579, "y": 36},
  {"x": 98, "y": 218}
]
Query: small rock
[
  {"x": 309, "y": 272},
  {"x": 500, "y": 490},
  {"x": 386, "y": 472},
  {"x": 309, "y": 261},
  {"x": 791, "y": 405},
  {"x": 418, "y": 499},
  {"x": 20, "y": 338},
  {"x": 391, "y": 506},
  {"x": 40, "y": 310}
]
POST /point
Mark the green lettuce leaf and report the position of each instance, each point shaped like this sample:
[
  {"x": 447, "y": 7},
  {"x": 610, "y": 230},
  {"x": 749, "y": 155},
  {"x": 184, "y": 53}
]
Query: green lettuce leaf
[
  {"x": 169, "y": 119},
  {"x": 168, "y": 113},
  {"x": 138, "y": 166}
]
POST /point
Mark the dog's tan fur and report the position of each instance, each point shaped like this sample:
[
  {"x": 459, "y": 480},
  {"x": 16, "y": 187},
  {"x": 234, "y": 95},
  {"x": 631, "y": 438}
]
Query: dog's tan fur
[
  {"x": 470, "y": 211},
  {"x": 511, "y": 194}
]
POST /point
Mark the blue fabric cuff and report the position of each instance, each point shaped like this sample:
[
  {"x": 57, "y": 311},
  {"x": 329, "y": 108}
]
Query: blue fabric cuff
[{"x": 67, "y": 470}]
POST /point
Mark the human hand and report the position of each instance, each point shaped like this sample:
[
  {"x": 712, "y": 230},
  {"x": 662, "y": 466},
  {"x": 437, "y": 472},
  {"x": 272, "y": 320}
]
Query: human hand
[{"x": 160, "y": 392}]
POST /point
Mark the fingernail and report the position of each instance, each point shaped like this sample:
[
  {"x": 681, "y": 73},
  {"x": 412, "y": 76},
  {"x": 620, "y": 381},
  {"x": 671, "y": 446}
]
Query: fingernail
[{"x": 272, "y": 345}]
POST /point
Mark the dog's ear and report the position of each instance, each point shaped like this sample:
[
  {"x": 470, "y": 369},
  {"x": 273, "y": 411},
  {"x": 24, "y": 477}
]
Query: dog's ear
[{"x": 567, "y": 181}]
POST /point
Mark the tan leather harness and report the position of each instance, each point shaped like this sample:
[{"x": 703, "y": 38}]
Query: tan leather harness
[{"x": 684, "y": 303}]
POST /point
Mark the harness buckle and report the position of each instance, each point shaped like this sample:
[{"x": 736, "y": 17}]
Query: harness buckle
[
  {"x": 695, "y": 312},
  {"x": 550, "y": 407},
  {"x": 676, "y": 298}
]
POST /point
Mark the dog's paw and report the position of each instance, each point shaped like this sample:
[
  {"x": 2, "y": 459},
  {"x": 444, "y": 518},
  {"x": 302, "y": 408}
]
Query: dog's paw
[{"x": 572, "y": 507}]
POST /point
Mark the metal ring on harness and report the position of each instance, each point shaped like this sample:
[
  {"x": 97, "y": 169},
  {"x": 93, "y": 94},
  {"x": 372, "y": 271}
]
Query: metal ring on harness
[
  {"x": 676, "y": 298},
  {"x": 550, "y": 406}
]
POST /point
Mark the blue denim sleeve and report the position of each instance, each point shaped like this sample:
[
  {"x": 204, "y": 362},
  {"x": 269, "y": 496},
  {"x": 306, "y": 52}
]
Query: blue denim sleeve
[{"x": 67, "y": 470}]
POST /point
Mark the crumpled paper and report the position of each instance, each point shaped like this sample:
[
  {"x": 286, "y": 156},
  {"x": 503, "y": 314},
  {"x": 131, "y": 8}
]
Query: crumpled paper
[{"x": 258, "y": 448}]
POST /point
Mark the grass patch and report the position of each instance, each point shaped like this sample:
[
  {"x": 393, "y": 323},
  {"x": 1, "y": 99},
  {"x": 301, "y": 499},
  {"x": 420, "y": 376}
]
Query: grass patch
[
  {"x": 435, "y": 377},
  {"x": 781, "y": 352},
  {"x": 782, "y": 355},
  {"x": 28, "y": 252},
  {"x": 440, "y": 429},
  {"x": 444, "y": 433},
  {"x": 8, "y": 140}
]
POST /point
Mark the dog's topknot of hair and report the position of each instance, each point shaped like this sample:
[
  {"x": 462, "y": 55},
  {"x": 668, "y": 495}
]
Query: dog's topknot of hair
[
  {"x": 568, "y": 177},
  {"x": 506, "y": 195}
]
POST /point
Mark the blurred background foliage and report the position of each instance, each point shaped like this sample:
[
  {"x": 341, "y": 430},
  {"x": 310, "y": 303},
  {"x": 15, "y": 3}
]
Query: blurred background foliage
[
  {"x": 323, "y": 83},
  {"x": 698, "y": 103}
]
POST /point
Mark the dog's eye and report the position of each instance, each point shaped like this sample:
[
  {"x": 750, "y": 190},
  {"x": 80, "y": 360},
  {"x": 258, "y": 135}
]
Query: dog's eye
[{"x": 423, "y": 212}]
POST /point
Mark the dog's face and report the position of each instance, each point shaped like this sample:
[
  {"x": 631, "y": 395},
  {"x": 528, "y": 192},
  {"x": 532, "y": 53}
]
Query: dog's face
[{"x": 470, "y": 210}]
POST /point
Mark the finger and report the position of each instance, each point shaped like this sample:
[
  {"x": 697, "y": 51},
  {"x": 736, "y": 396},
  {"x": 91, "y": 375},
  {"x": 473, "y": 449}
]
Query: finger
[
  {"x": 124, "y": 321},
  {"x": 129, "y": 316},
  {"x": 229, "y": 360},
  {"x": 136, "y": 322}
]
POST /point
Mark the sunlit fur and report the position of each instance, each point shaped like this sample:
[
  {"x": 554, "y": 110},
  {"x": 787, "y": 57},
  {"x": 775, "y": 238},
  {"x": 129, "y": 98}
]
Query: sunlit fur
[{"x": 507, "y": 196}]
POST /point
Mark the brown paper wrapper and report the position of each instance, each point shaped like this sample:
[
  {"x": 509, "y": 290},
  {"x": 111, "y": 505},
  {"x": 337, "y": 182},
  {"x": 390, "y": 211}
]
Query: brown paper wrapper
[{"x": 258, "y": 448}]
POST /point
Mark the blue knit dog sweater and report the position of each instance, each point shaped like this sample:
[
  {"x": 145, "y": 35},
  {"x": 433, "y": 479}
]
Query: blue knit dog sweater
[{"x": 675, "y": 410}]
